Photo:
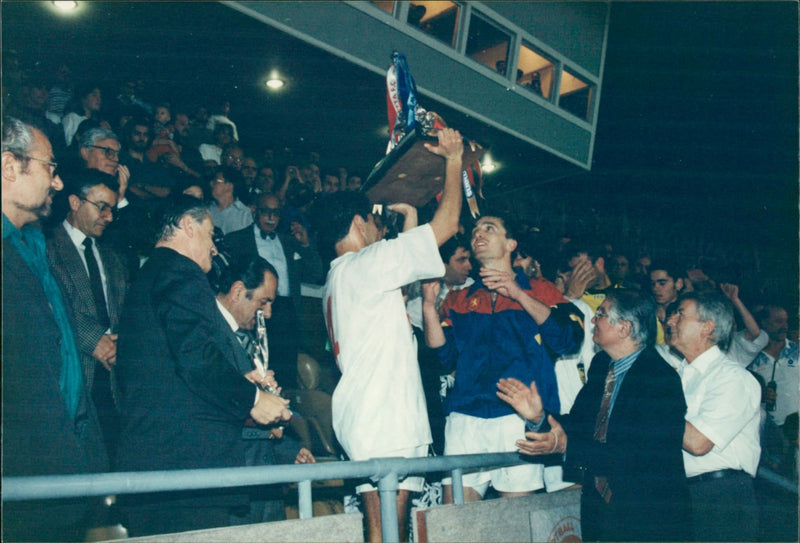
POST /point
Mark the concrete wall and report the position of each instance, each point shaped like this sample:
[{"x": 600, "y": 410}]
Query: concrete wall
[
  {"x": 334, "y": 528},
  {"x": 539, "y": 517}
]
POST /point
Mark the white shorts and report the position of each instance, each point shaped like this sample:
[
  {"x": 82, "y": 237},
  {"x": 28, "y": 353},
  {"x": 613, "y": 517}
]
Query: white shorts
[
  {"x": 465, "y": 434},
  {"x": 412, "y": 483}
]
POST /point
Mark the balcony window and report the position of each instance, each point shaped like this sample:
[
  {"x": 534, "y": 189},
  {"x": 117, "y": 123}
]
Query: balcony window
[
  {"x": 575, "y": 95},
  {"x": 537, "y": 71},
  {"x": 488, "y": 44},
  {"x": 388, "y": 7},
  {"x": 436, "y": 18}
]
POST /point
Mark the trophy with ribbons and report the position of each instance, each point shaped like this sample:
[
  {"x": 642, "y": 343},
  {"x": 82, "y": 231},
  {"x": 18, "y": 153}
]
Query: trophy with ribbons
[{"x": 409, "y": 173}]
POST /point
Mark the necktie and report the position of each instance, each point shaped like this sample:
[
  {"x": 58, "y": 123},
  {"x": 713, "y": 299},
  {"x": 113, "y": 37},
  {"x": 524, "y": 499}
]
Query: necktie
[
  {"x": 265, "y": 235},
  {"x": 601, "y": 423},
  {"x": 246, "y": 342},
  {"x": 600, "y": 430},
  {"x": 96, "y": 283}
]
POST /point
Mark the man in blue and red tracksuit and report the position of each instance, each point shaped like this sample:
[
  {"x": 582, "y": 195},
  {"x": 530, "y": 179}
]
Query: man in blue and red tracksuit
[{"x": 501, "y": 326}]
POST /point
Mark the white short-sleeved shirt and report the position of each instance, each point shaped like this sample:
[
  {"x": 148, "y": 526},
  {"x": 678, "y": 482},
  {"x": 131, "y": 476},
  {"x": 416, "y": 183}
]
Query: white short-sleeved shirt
[
  {"x": 723, "y": 402},
  {"x": 742, "y": 350},
  {"x": 785, "y": 376},
  {"x": 378, "y": 405}
]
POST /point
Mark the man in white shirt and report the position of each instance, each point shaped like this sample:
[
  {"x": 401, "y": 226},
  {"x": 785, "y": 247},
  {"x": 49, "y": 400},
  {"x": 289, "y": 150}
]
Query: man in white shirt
[
  {"x": 721, "y": 441},
  {"x": 379, "y": 405},
  {"x": 778, "y": 365},
  {"x": 295, "y": 261}
]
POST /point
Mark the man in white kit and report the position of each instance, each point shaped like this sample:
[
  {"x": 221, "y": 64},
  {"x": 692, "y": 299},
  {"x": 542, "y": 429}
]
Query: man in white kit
[{"x": 379, "y": 405}]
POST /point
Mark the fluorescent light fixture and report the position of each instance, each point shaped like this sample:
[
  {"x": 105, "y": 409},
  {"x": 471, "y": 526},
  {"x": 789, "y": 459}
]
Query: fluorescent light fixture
[{"x": 66, "y": 6}]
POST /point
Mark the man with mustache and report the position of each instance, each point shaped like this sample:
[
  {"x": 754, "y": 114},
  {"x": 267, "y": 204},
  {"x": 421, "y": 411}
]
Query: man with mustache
[
  {"x": 94, "y": 280},
  {"x": 49, "y": 423},
  {"x": 777, "y": 364},
  {"x": 296, "y": 261}
]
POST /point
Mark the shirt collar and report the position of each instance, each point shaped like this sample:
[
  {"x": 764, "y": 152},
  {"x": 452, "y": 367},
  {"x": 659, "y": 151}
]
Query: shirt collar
[
  {"x": 703, "y": 362},
  {"x": 622, "y": 365},
  {"x": 9, "y": 229},
  {"x": 227, "y": 316},
  {"x": 74, "y": 234}
]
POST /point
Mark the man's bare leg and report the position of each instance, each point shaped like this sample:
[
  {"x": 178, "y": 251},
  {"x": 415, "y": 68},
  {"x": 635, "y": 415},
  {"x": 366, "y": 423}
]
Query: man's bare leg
[
  {"x": 470, "y": 494},
  {"x": 372, "y": 510}
]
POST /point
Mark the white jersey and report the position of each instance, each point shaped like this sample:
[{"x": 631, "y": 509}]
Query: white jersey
[{"x": 378, "y": 405}]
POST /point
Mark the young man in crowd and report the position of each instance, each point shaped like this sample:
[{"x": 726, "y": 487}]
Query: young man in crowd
[
  {"x": 379, "y": 405},
  {"x": 501, "y": 326}
]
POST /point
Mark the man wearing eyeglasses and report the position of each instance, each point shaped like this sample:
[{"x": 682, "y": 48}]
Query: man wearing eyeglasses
[
  {"x": 49, "y": 425},
  {"x": 623, "y": 437},
  {"x": 100, "y": 151},
  {"x": 94, "y": 280},
  {"x": 227, "y": 210},
  {"x": 295, "y": 260}
]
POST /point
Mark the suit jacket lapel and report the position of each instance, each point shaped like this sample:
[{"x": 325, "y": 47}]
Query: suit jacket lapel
[
  {"x": 74, "y": 271},
  {"x": 114, "y": 280}
]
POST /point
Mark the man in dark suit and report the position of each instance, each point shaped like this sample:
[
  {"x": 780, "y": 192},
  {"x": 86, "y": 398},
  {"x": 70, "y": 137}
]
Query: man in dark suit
[
  {"x": 180, "y": 368},
  {"x": 624, "y": 434},
  {"x": 296, "y": 261},
  {"x": 49, "y": 423},
  {"x": 94, "y": 280}
]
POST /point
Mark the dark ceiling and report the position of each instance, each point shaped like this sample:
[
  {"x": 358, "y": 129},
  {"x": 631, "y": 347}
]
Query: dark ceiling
[{"x": 699, "y": 100}]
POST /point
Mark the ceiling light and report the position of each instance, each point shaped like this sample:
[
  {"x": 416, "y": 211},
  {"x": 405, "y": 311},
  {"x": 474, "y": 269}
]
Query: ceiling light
[
  {"x": 65, "y": 6},
  {"x": 487, "y": 166},
  {"x": 275, "y": 83}
]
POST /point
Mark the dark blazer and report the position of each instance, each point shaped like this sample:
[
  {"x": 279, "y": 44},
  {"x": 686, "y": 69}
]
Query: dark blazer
[
  {"x": 308, "y": 268},
  {"x": 39, "y": 437},
  {"x": 642, "y": 457},
  {"x": 69, "y": 271},
  {"x": 183, "y": 400}
]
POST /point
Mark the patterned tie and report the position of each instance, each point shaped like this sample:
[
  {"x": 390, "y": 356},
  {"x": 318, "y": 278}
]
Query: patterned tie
[
  {"x": 601, "y": 428},
  {"x": 246, "y": 342},
  {"x": 96, "y": 283},
  {"x": 601, "y": 423}
]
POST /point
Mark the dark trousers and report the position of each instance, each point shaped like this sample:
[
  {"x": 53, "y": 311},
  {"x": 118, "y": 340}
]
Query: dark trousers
[
  {"x": 725, "y": 509},
  {"x": 173, "y": 512}
]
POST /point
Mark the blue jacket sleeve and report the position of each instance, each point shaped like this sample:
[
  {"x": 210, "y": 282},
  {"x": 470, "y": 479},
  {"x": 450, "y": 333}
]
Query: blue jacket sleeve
[{"x": 563, "y": 332}]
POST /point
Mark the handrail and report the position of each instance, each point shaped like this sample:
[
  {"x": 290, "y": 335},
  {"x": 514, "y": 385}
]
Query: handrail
[
  {"x": 386, "y": 470},
  {"x": 131, "y": 482}
]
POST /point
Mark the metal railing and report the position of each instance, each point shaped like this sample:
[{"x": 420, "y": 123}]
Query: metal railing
[{"x": 387, "y": 472}]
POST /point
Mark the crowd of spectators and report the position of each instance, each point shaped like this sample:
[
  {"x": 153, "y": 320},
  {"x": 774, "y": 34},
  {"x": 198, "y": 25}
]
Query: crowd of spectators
[{"x": 145, "y": 152}]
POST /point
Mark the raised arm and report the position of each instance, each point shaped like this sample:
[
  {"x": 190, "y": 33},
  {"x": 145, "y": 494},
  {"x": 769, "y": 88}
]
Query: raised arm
[
  {"x": 750, "y": 324},
  {"x": 434, "y": 335},
  {"x": 445, "y": 220}
]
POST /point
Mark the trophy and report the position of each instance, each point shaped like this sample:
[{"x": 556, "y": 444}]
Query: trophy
[{"x": 410, "y": 173}]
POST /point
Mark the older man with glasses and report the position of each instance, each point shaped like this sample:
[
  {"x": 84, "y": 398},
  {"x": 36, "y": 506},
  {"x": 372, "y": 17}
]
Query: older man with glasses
[
  {"x": 296, "y": 260},
  {"x": 49, "y": 424},
  {"x": 100, "y": 149},
  {"x": 623, "y": 436}
]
